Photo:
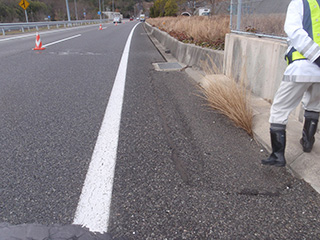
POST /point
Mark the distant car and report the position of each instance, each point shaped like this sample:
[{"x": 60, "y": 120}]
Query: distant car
[
  {"x": 117, "y": 20},
  {"x": 131, "y": 19}
]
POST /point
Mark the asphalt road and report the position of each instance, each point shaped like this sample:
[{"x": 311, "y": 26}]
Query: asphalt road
[
  {"x": 183, "y": 171},
  {"x": 52, "y": 105}
]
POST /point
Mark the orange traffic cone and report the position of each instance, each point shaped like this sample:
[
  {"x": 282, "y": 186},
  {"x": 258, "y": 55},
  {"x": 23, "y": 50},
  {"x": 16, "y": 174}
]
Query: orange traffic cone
[
  {"x": 38, "y": 43},
  {"x": 100, "y": 28}
]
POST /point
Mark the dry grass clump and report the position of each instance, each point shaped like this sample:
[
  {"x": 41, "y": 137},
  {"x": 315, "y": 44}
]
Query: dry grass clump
[
  {"x": 200, "y": 30},
  {"x": 211, "y": 31},
  {"x": 231, "y": 99}
]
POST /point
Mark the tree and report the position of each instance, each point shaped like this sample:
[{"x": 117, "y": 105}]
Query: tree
[
  {"x": 158, "y": 8},
  {"x": 37, "y": 10},
  {"x": 152, "y": 12},
  {"x": 171, "y": 8},
  {"x": 4, "y": 12}
]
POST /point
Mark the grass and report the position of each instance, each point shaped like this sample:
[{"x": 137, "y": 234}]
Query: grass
[
  {"x": 271, "y": 24},
  {"x": 210, "y": 31},
  {"x": 229, "y": 97},
  {"x": 203, "y": 31}
]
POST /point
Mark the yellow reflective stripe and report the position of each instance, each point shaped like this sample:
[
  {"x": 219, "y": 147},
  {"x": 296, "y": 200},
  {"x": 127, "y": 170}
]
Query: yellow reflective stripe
[
  {"x": 296, "y": 55},
  {"x": 315, "y": 20}
]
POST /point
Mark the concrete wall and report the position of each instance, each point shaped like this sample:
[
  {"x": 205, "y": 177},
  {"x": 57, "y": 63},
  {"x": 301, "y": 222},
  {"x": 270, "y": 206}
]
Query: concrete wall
[
  {"x": 259, "y": 62},
  {"x": 189, "y": 54}
]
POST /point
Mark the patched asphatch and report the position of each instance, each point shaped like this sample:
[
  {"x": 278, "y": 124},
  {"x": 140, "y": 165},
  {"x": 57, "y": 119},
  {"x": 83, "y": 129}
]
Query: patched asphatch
[{"x": 311, "y": 24}]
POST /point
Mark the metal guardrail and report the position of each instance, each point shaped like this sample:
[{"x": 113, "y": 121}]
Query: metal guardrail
[{"x": 8, "y": 27}]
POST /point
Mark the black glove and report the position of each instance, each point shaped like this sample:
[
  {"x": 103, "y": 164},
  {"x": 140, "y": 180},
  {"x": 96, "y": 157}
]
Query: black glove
[{"x": 317, "y": 61}]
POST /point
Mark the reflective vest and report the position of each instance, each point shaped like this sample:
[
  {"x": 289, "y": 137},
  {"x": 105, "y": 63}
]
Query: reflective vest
[{"x": 311, "y": 24}]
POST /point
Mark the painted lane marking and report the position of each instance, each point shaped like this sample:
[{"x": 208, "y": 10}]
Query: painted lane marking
[
  {"x": 94, "y": 205},
  {"x": 42, "y": 33},
  {"x": 17, "y": 37},
  {"x": 62, "y": 40}
]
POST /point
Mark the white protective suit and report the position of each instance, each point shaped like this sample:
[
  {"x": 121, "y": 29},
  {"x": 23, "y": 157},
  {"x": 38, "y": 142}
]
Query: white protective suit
[
  {"x": 301, "y": 80},
  {"x": 302, "y": 70}
]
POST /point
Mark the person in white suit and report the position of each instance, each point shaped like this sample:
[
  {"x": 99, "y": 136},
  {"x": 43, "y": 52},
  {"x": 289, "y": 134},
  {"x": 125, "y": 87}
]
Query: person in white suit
[{"x": 301, "y": 79}]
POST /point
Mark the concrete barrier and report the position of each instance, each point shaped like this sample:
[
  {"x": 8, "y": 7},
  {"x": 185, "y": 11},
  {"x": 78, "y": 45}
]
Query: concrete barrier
[
  {"x": 259, "y": 62},
  {"x": 189, "y": 54}
]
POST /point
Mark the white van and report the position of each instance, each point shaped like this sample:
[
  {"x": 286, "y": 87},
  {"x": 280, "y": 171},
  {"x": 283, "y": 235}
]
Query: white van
[
  {"x": 117, "y": 19},
  {"x": 142, "y": 18}
]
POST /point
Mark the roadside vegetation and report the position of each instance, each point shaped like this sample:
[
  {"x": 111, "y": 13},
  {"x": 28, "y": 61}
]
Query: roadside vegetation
[
  {"x": 202, "y": 31},
  {"x": 230, "y": 98},
  {"x": 271, "y": 24},
  {"x": 210, "y": 31}
]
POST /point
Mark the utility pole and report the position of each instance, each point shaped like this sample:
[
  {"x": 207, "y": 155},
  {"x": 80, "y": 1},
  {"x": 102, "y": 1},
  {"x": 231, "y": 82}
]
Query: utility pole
[
  {"x": 68, "y": 12},
  {"x": 75, "y": 9},
  {"x": 100, "y": 9},
  {"x": 103, "y": 7}
]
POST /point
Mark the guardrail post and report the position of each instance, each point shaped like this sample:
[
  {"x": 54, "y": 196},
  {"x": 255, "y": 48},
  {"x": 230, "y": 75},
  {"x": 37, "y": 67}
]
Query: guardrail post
[
  {"x": 37, "y": 28},
  {"x": 22, "y": 29},
  {"x": 48, "y": 26},
  {"x": 3, "y": 32},
  {"x": 57, "y": 25}
]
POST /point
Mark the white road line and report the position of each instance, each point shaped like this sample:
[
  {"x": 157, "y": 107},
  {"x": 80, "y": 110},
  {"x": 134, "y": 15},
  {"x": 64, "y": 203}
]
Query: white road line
[
  {"x": 42, "y": 33},
  {"x": 95, "y": 199},
  {"x": 17, "y": 37},
  {"x": 62, "y": 40}
]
